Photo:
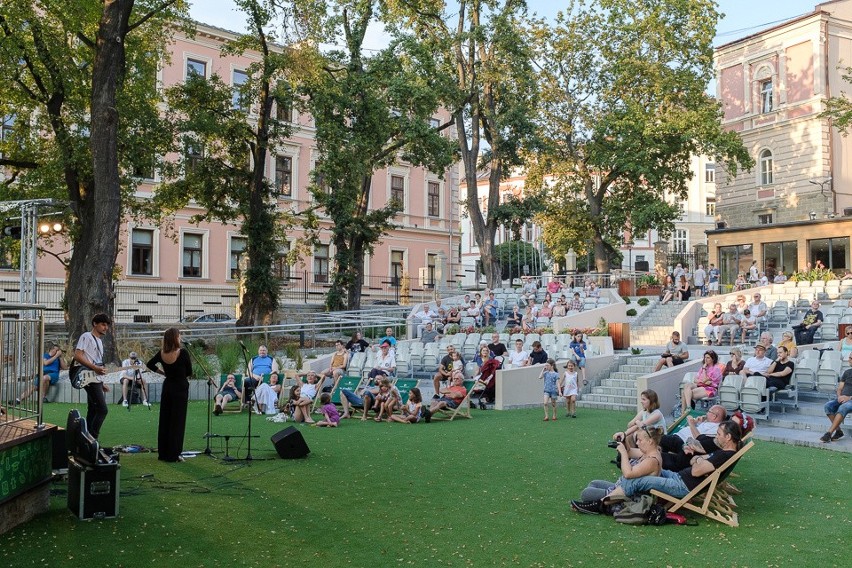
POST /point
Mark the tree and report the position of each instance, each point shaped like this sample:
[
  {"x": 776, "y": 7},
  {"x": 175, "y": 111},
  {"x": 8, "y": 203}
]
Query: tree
[
  {"x": 83, "y": 74},
  {"x": 490, "y": 58},
  {"x": 623, "y": 109},
  {"x": 232, "y": 132},
  {"x": 514, "y": 255},
  {"x": 369, "y": 111}
]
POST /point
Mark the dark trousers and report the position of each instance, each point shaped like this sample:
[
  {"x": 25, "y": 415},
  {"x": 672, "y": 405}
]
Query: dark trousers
[
  {"x": 804, "y": 336},
  {"x": 97, "y": 411}
]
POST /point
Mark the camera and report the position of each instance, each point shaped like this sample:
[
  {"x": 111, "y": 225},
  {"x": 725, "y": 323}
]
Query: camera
[{"x": 614, "y": 443}]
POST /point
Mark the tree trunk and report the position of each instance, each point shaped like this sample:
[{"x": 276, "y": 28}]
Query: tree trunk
[
  {"x": 90, "y": 280},
  {"x": 356, "y": 276}
]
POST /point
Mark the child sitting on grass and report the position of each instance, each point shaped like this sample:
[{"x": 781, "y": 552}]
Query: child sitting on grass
[
  {"x": 568, "y": 388},
  {"x": 331, "y": 417},
  {"x": 412, "y": 411},
  {"x": 551, "y": 392}
]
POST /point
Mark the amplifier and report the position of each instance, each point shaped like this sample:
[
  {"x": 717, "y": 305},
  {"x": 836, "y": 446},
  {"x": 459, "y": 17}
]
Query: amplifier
[{"x": 93, "y": 490}]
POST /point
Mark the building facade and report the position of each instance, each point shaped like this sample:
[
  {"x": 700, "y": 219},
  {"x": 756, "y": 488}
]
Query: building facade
[
  {"x": 422, "y": 253},
  {"x": 773, "y": 86}
]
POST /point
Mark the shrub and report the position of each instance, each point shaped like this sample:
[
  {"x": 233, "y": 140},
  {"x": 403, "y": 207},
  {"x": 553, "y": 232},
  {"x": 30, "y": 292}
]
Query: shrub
[
  {"x": 631, "y": 312},
  {"x": 229, "y": 355},
  {"x": 451, "y": 329},
  {"x": 626, "y": 299},
  {"x": 643, "y": 301}
]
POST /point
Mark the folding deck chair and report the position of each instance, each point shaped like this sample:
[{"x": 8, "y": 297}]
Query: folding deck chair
[
  {"x": 463, "y": 408},
  {"x": 709, "y": 498}
]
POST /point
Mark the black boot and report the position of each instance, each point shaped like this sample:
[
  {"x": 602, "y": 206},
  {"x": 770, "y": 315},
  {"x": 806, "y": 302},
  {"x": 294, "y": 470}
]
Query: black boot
[{"x": 588, "y": 507}]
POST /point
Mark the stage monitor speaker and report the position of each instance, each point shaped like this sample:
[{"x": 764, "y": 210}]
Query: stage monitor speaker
[{"x": 290, "y": 444}]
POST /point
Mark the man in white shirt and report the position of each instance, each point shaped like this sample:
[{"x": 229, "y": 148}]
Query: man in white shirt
[
  {"x": 473, "y": 312},
  {"x": 519, "y": 357},
  {"x": 133, "y": 378},
  {"x": 758, "y": 364},
  {"x": 703, "y": 425},
  {"x": 385, "y": 362},
  {"x": 758, "y": 309},
  {"x": 89, "y": 353}
]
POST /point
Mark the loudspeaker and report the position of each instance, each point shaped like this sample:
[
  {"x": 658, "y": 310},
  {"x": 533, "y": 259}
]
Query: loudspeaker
[{"x": 290, "y": 444}]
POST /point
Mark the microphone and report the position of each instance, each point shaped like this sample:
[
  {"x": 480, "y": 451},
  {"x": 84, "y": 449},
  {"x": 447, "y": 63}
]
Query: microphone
[{"x": 187, "y": 343}]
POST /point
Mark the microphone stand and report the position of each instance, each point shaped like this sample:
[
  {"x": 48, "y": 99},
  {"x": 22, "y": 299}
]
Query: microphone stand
[
  {"x": 248, "y": 393},
  {"x": 210, "y": 383}
]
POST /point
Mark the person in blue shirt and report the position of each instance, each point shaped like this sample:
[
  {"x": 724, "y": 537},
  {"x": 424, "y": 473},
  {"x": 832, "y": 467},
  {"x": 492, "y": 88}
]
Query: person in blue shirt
[
  {"x": 578, "y": 346},
  {"x": 388, "y": 337},
  {"x": 259, "y": 366},
  {"x": 52, "y": 365}
]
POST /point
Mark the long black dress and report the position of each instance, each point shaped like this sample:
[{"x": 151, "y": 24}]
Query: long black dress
[{"x": 173, "y": 404}]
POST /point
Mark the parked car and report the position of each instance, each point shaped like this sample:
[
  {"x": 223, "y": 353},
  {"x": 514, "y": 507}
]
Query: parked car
[{"x": 222, "y": 318}]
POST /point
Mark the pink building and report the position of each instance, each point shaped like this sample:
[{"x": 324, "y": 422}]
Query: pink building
[{"x": 203, "y": 260}]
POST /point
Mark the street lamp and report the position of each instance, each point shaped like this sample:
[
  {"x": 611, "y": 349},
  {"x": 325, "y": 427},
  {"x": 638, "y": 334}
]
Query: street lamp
[{"x": 822, "y": 185}]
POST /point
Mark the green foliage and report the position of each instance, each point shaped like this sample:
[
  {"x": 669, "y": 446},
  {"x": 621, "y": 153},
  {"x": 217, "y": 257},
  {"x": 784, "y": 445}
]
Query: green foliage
[
  {"x": 515, "y": 211},
  {"x": 370, "y": 110},
  {"x": 631, "y": 312},
  {"x": 514, "y": 255},
  {"x": 635, "y": 351},
  {"x": 230, "y": 356},
  {"x": 648, "y": 280},
  {"x": 623, "y": 110},
  {"x": 813, "y": 275},
  {"x": 643, "y": 302},
  {"x": 451, "y": 329},
  {"x": 626, "y": 299}
]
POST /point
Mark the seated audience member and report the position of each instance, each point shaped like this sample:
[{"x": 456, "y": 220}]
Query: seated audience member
[
  {"x": 429, "y": 334},
  {"x": 266, "y": 396},
  {"x": 561, "y": 308},
  {"x": 518, "y": 357},
  {"x": 810, "y": 323},
  {"x": 227, "y": 392},
  {"x": 701, "y": 426},
  {"x": 759, "y": 309},
  {"x": 758, "y": 364},
  {"x": 385, "y": 362},
  {"x": 713, "y": 330},
  {"x": 682, "y": 291},
  {"x": 642, "y": 460},
  {"x": 425, "y": 314},
  {"x": 649, "y": 417},
  {"x": 453, "y": 316},
  {"x": 389, "y": 338},
  {"x": 538, "y": 356},
  {"x": 677, "y": 484},
  {"x": 668, "y": 291},
  {"x": 307, "y": 393},
  {"x": 132, "y": 379},
  {"x": 837, "y": 409},
  {"x": 365, "y": 399},
  {"x": 554, "y": 286},
  {"x": 496, "y": 347},
  {"x": 747, "y": 323},
  {"x": 730, "y": 323},
  {"x": 741, "y": 304},
  {"x": 675, "y": 353},
  {"x": 593, "y": 291},
  {"x": 387, "y": 400},
  {"x": 790, "y": 343},
  {"x": 478, "y": 357},
  {"x": 706, "y": 382},
  {"x": 781, "y": 371},
  {"x": 515, "y": 318},
  {"x": 450, "y": 398},
  {"x": 533, "y": 307},
  {"x": 762, "y": 279},
  {"x": 529, "y": 288},
  {"x": 445, "y": 368},
  {"x": 740, "y": 283},
  {"x": 576, "y": 304},
  {"x": 357, "y": 344},
  {"x": 339, "y": 362},
  {"x": 473, "y": 312},
  {"x": 528, "y": 321},
  {"x": 766, "y": 340},
  {"x": 735, "y": 365},
  {"x": 411, "y": 411},
  {"x": 780, "y": 278},
  {"x": 545, "y": 311},
  {"x": 489, "y": 309},
  {"x": 484, "y": 387},
  {"x": 260, "y": 365},
  {"x": 844, "y": 346}
]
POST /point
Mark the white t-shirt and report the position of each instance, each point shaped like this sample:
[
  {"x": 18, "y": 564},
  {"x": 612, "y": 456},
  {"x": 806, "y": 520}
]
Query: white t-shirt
[
  {"x": 755, "y": 365},
  {"x": 131, "y": 373},
  {"x": 308, "y": 390},
  {"x": 707, "y": 428},
  {"x": 699, "y": 277},
  {"x": 92, "y": 347},
  {"x": 517, "y": 358}
]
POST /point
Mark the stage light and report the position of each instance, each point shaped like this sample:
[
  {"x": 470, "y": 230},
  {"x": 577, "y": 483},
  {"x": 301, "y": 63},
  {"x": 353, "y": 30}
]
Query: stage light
[
  {"x": 57, "y": 227},
  {"x": 44, "y": 228}
]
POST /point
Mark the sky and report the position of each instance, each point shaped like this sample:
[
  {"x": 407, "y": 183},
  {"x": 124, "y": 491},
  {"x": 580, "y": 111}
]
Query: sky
[{"x": 742, "y": 17}]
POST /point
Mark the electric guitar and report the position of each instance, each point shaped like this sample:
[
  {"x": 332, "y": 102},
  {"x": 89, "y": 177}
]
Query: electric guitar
[{"x": 81, "y": 376}]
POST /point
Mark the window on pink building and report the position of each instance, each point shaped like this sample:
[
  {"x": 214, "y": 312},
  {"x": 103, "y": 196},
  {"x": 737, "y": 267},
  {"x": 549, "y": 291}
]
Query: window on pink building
[
  {"x": 766, "y": 166},
  {"x": 142, "y": 252},
  {"x": 321, "y": 264},
  {"x": 283, "y": 176},
  {"x": 196, "y": 67},
  {"x": 192, "y": 254},
  {"x": 238, "y": 248},
  {"x": 238, "y": 79},
  {"x": 766, "y": 96},
  {"x": 398, "y": 189},
  {"x": 434, "y": 190}
]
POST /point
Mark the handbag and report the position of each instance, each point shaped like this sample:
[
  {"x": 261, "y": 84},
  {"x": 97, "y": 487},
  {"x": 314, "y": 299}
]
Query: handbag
[{"x": 635, "y": 511}]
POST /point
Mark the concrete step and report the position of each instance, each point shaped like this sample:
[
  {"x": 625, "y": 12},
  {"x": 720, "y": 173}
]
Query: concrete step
[
  {"x": 618, "y": 383},
  {"x": 624, "y": 400},
  {"x": 796, "y": 437},
  {"x": 607, "y": 405}
]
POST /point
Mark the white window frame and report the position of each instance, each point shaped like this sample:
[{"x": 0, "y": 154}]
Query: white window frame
[
  {"x": 235, "y": 94},
  {"x": 709, "y": 173},
  {"x": 766, "y": 167},
  {"x": 680, "y": 241},
  {"x": 405, "y": 174},
  {"x": 766, "y": 95},
  {"x": 231, "y": 236},
  {"x": 208, "y": 62},
  {"x": 427, "y": 181},
  {"x": 205, "y": 253},
  {"x": 155, "y": 251}
]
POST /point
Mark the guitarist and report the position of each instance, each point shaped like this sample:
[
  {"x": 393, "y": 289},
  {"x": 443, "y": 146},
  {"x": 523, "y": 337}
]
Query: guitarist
[{"x": 90, "y": 354}]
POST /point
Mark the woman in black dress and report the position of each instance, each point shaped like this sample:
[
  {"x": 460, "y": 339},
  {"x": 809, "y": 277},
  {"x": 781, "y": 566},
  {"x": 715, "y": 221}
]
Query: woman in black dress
[{"x": 177, "y": 368}]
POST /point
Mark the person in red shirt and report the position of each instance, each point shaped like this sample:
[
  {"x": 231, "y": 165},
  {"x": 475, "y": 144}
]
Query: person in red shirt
[{"x": 450, "y": 398}]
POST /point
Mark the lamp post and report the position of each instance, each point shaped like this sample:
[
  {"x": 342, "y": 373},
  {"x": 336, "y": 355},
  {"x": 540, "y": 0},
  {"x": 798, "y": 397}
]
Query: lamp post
[{"x": 822, "y": 185}]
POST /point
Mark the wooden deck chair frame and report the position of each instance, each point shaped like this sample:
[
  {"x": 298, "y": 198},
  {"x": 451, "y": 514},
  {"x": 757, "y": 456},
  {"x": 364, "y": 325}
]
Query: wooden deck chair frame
[
  {"x": 319, "y": 391},
  {"x": 463, "y": 408},
  {"x": 709, "y": 498},
  {"x": 345, "y": 382}
]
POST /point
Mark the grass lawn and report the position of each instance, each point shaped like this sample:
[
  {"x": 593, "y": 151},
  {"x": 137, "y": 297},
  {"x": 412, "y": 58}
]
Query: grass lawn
[{"x": 491, "y": 491}]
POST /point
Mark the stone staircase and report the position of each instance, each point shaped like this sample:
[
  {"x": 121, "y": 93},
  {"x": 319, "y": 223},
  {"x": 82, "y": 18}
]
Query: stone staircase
[
  {"x": 654, "y": 327},
  {"x": 618, "y": 392},
  {"x": 803, "y": 426}
]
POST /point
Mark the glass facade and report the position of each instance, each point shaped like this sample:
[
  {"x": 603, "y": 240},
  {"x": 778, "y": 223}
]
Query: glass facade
[
  {"x": 734, "y": 260},
  {"x": 833, "y": 253},
  {"x": 780, "y": 257}
]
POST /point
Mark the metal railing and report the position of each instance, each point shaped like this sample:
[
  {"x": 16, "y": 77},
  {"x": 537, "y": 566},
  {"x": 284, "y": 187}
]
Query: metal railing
[{"x": 21, "y": 363}]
